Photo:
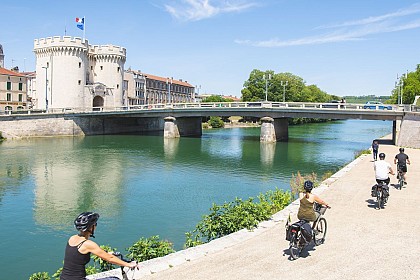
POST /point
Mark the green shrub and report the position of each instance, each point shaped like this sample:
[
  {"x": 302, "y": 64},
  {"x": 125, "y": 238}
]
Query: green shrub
[
  {"x": 275, "y": 200},
  {"x": 58, "y": 273},
  {"x": 362, "y": 152},
  {"x": 99, "y": 263},
  {"x": 216, "y": 122},
  {"x": 234, "y": 216},
  {"x": 150, "y": 248},
  {"x": 40, "y": 276},
  {"x": 91, "y": 270}
]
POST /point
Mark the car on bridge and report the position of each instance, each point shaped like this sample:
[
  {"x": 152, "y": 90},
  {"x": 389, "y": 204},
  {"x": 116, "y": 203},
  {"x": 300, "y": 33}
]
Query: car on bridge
[{"x": 376, "y": 105}]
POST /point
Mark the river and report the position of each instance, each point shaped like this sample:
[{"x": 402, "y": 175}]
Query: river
[{"x": 147, "y": 185}]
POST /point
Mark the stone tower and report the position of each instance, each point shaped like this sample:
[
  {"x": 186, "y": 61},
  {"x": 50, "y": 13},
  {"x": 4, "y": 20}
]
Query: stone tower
[{"x": 73, "y": 74}]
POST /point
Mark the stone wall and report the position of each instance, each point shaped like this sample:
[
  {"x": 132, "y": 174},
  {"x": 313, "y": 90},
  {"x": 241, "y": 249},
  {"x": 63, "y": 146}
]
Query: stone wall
[
  {"x": 64, "y": 125},
  {"x": 409, "y": 131}
]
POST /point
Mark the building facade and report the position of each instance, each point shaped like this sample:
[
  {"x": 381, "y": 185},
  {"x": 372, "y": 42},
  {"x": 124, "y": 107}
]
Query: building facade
[
  {"x": 70, "y": 73},
  {"x": 13, "y": 88},
  {"x": 142, "y": 88}
]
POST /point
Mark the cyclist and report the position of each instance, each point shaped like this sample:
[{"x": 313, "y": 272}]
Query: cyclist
[
  {"x": 307, "y": 199},
  {"x": 402, "y": 160},
  {"x": 79, "y": 248},
  {"x": 382, "y": 169}
]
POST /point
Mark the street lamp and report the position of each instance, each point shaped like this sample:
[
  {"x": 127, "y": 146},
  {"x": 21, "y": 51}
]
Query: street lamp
[
  {"x": 284, "y": 85},
  {"x": 198, "y": 92},
  {"x": 266, "y": 81},
  {"x": 46, "y": 88},
  {"x": 169, "y": 83}
]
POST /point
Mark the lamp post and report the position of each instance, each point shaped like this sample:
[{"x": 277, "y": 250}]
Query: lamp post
[
  {"x": 46, "y": 89},
  {"x": 284, "y": 85},
  {"x": 266, "y": 78},
  {"x": 169, "y": 83},
  {"x": 198, "y": 92}
]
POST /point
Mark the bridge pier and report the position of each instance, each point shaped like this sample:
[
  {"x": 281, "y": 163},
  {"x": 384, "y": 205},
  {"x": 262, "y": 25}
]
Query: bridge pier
[
  {"x": 273, "y": 130},
  {"x": 170, "y": 129},
  {"x": 190, "y": 126}
]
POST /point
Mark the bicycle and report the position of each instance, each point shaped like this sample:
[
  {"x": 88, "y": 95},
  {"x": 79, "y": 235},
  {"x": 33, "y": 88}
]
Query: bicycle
[
  {"x": 295, "y": 232},
  {"x": 382, "y": 194},
  {"x": 400, "y": 176},
  {"x": 110, "y": 275}
]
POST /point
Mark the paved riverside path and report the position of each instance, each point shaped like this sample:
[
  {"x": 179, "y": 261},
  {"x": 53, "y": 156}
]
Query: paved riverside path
[{"x": 362, "y": 242}]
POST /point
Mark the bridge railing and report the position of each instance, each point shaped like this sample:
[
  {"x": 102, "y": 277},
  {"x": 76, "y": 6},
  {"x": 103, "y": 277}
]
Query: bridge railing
[{"x": 217, "y": 105}]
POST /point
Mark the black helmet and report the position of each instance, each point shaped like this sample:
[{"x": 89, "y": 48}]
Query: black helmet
[
  {"x": 86, "y": 220},
  {"x": 401, "y": 150},
  {"x": 381, "y": 155},
  {"x": 308, "y": 186}
]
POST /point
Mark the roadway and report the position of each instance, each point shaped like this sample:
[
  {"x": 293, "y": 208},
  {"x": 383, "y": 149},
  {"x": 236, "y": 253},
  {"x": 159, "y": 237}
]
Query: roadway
[{"x": 362, "y": 242}]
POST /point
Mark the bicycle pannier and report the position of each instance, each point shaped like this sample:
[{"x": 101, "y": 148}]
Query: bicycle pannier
[
  {"x": 295, "y": 226},
  {"x": 373, "y": 192},
  {"x": 306, "y": 232}
]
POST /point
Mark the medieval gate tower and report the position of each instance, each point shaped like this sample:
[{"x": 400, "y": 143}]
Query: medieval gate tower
[{"x": 73, "y": 74}]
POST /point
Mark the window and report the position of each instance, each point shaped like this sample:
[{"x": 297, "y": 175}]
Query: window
[
  {"x": 20, "y": 97},
  {"x": 8, "y": 108},
  {"x": 79, "y": 82},
  {"x": 80, "y": 65},
  {"x": 9, "y": 86},
  {"x": 102, "y": 68},
  {"x": 20, "y": 86},
  {"x": 118, "y": 86},
  {"x": 118, "y": 69},
  {"x": 8, "y": 97}
]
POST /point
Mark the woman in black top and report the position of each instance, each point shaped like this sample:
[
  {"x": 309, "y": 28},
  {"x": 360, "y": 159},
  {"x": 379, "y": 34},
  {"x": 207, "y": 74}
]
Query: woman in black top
[{"x": 79, "y": 248}]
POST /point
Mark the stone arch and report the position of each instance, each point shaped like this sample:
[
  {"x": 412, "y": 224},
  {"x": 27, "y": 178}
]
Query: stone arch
[{"x": 98, "y": 101}]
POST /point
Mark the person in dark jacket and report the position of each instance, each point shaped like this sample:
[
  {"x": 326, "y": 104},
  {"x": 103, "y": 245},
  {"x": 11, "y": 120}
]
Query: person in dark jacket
[{"x": 375, "y": 148}]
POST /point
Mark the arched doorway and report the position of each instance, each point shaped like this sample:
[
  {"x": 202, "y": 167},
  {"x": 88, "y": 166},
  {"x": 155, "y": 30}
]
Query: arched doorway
[{"x": 98, "y": 101}]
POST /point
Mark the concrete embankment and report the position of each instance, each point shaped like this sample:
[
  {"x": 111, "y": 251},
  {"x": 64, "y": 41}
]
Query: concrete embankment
[{"x": 362, "y": 242}]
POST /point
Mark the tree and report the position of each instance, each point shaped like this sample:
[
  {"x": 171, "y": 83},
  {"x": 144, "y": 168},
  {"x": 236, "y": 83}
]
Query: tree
[
  {"x": 410, "y": 87},
  {"x": 295, "y": 91},
  {"x": 216, "y": 98}
]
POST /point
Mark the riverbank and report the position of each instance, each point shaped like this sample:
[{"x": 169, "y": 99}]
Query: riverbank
[{"x": 361, "y": 241}]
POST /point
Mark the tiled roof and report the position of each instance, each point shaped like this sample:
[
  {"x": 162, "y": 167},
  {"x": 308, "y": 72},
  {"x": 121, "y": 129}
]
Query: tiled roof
[
  {"x": 4, "y": 71},
  {"x": 163, "y": 79}
]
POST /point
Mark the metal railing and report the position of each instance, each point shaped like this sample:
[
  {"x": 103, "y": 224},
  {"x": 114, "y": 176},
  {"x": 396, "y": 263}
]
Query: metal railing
[{"x": 218, "y": 106}]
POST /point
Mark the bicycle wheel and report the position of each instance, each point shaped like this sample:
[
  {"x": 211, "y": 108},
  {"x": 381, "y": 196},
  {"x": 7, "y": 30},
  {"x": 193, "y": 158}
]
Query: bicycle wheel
[
  {"x": 320, "y": 231},
  {"x": 379, "y": 198},
  {"x": 401, "y": 181},
  {"x": 294, "y": 248}
]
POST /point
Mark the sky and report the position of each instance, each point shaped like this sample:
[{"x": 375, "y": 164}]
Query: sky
[{"x": 345, "y": 47}]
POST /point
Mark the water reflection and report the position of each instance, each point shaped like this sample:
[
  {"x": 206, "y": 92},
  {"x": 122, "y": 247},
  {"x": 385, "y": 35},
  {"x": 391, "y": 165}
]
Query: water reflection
[
  {"x": 267, "y": 152},
  {"x": 170, "y": 147}
]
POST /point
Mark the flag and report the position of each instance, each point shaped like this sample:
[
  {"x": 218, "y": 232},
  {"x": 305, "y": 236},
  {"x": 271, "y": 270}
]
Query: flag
[{"x": 80, "y": 23}]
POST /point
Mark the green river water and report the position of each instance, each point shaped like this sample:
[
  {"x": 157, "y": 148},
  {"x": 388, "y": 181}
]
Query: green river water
[{"x": 147, "y": 185}]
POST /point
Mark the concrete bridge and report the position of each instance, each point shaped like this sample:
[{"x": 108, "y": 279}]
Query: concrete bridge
[{"x": 184, "y": 119}]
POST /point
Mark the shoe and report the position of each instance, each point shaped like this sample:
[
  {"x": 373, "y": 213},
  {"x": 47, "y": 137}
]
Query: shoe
[
  {"x": 405, "y": 183},
  {"x": 398, "y": 176}
]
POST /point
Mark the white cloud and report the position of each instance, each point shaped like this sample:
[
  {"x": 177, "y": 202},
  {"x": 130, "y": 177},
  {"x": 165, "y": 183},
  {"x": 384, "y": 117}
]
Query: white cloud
[
  {"x": 195, "y": 10},
  {"x": 349, "y": 31}
]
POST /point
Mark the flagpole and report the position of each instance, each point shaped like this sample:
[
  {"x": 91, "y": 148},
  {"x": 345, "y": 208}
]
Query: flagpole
[{"x": 84, "y": 27}]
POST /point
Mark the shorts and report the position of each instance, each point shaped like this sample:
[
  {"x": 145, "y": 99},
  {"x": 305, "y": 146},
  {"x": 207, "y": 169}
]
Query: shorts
[{"x": 403, "y": 168}]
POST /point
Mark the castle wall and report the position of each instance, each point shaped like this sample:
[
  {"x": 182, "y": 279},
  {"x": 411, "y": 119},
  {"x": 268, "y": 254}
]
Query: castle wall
[
  {"x": 108, "y": 64},
  {"x": 73, "y": 66}
]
